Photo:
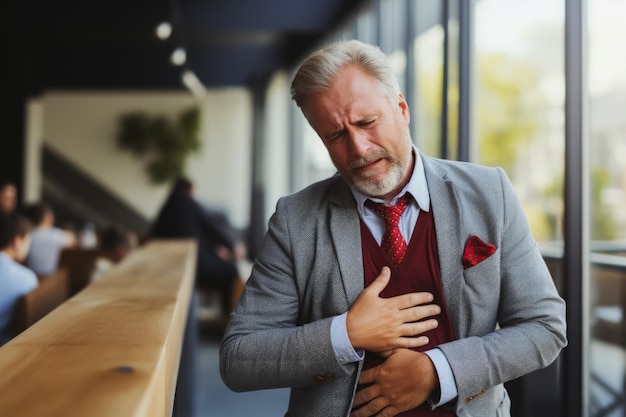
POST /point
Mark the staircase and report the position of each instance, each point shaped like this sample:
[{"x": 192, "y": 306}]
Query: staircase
[{"x": 78, "y": 199}]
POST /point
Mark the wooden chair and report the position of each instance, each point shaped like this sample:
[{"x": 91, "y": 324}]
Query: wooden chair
[
  {"x": 80, "y": 264},
  {"x": 49, "y": 294}
]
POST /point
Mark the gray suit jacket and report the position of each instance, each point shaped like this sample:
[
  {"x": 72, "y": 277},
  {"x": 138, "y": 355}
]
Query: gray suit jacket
[{"x": 507, "y": 315}]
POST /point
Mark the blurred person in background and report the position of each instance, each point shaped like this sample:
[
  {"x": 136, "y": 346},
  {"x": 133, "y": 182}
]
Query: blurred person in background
[
  {"x": 115, "y": 243},
  {"x": 8, "y": 197},
  {"x": 47, "y": 240},
  {"x": 15, "y": 279},
  {"x": 182, "y": 216}
]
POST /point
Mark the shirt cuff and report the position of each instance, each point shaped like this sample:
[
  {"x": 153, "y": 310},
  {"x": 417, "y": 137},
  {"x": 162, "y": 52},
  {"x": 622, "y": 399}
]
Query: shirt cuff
[
  {"x": 447, "y": 387},
  {"x": 344, "y": 352}
]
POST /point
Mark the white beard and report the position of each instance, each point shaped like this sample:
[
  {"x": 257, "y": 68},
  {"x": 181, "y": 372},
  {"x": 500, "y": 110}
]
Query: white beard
[
  {"x": 380, "y": 188},
  {"x": 389, "y": 182}
]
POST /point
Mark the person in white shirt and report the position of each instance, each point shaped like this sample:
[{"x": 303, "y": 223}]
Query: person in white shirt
[
  {"x": 47, "y": 240},
  {"x": 15, "y": 279}
]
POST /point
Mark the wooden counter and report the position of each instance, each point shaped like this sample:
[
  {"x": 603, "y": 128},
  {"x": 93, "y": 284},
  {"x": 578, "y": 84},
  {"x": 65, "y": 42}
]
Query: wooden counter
[{"x": 113, "y": 350}]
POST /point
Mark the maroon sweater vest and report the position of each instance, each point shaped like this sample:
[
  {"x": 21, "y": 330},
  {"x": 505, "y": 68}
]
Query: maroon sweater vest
[{"x": 418, "y": 271}]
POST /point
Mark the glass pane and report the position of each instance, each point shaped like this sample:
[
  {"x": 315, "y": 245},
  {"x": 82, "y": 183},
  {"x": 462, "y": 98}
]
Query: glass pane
[
  {"x": 519, "y": 125},
  {"x": 607, "y": 165},
  {"x": 519, "y": 108},
  {"x": 427, "y": 76},
  {"x": 366, "y": 23},
  {"x": 453, "y": 78},
  {"x": 392, "y": 36}
]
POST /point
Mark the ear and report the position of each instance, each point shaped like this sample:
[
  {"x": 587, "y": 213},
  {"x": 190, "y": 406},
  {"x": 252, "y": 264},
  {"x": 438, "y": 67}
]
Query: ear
[
  {"x": 20, "y": 246},
  {"x": 17, "y": 242},
  {"x": 404, "y": 109}
]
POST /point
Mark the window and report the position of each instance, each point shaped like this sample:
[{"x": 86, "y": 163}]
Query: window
[
  {"x": 519, "y": 103},
  {"x": 607, "y": 222}
]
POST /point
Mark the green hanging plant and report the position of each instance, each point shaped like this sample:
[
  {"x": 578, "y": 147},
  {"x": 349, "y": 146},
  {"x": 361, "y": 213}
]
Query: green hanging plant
[{"x": 166, "y": 143}]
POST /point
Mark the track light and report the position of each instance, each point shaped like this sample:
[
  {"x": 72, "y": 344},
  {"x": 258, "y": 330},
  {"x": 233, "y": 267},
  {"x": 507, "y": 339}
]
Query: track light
[
  {"x": 163, "y": 30},
  {"x": 194, "y": 85},
  {"x": 179, "y": 56}
]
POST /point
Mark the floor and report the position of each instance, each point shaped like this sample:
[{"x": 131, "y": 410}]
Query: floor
[{"x": 213, "y": 399}]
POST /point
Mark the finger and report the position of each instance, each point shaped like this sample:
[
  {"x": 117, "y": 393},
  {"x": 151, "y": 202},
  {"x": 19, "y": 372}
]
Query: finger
[
  {"x": 419, "y": 327},
  {"x": 381, "y": 281},
  {"x": 371, "y": 408},
  {"x": 412, "y": 342},
  {"x": 420, "y": 312},
  {"x": 364, "y": 396},
  {"x": 368, "y": 376},
  {"x": 411, "y": 299}
]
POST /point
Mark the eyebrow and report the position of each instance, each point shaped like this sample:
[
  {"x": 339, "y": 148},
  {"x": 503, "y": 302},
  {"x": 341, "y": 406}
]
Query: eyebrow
[{"x": 358, "y": 121}]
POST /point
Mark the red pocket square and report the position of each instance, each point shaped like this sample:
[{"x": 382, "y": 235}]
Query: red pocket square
[{"x": 476, "y": 251}]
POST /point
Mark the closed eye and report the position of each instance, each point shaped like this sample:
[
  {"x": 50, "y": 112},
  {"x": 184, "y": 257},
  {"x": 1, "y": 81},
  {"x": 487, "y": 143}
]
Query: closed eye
[{"x": 334, "y": 135}]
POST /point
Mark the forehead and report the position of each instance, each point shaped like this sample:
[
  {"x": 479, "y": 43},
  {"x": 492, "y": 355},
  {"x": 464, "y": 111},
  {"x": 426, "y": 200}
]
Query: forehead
[
  {"x": 353, "y": 93},
  {"x": 7, "y": 189}
]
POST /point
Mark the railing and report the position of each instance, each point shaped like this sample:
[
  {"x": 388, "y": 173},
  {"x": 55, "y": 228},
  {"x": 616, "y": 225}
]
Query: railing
[{"x": 114, "y": 349}]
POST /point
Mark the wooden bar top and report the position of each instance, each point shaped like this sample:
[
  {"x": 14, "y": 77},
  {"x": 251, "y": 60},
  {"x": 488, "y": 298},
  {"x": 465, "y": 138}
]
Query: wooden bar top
[{"x": 113, "y": 350}]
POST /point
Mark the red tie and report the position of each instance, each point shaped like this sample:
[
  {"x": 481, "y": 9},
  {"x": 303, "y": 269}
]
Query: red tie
[{"x": 393, "y": 244}]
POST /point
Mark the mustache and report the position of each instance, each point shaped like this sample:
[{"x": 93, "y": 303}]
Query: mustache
[{"x": 368, "y": 159}]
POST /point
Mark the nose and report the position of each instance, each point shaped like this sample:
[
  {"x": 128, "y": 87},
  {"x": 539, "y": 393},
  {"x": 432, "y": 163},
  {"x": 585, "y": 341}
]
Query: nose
[{"x": 359, "y": 142}]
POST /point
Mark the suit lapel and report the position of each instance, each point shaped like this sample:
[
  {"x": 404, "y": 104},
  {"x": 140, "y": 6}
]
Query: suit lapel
[
  {"x": 447, "y": 214},
  {"x": 345, "y": 232}
]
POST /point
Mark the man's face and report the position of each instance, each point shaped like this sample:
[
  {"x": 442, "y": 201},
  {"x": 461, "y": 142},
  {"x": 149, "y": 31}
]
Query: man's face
[
  {"x": 365, "y": 133},
  {"x": 8, "y": 197}
]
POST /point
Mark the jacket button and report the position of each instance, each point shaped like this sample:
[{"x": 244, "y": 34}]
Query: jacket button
[{"x": 319, "y": 378}]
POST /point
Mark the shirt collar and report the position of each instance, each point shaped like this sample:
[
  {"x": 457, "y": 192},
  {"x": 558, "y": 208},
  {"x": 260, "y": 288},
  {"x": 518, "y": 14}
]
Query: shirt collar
[{"x": 416, "y": 186}]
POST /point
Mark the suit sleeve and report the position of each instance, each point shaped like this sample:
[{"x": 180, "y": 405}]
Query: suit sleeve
[
  {"x": 267, "y": 344},
  {"x": 530, "y": 328}
]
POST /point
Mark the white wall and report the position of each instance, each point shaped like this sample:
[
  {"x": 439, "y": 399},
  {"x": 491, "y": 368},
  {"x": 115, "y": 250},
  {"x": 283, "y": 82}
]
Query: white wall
[
  {"x": 32, "y": 151},
  {"x": 82, "y": 127},
  {"x": 277, "y": 151}
]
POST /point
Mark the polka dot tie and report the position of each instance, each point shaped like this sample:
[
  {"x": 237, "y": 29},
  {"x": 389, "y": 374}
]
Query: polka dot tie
[{"x": 393, "y": 244}]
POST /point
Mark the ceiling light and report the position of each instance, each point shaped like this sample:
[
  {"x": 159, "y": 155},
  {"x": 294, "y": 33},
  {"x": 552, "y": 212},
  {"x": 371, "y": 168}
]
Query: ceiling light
[
  {"x": 194, "y": 85},
  {"x": 179, "y": 56},
  {"x": 163, "y": 30}
]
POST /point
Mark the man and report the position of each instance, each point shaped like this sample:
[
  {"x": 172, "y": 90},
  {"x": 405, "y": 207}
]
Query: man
[
  {"x": 48, "y": 241},
  {"x": 182, "y": 216},
  {"x": 114, "y": 244},
  {"x": 305, "y": 320},
  {"x": 15, "y": 279}
]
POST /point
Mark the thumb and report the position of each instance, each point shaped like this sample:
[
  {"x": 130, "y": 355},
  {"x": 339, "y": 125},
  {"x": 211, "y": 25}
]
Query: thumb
[{"x": 381, "y": 281}]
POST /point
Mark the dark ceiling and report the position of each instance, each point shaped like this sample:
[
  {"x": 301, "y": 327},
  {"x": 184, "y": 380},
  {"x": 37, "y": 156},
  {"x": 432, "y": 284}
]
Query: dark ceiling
[
  {"x": 74, "y": 44},
  {"x": 111, "y": 44}
]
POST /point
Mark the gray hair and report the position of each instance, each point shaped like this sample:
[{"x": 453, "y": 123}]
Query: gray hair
[{"x": 317, "y": 73}]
